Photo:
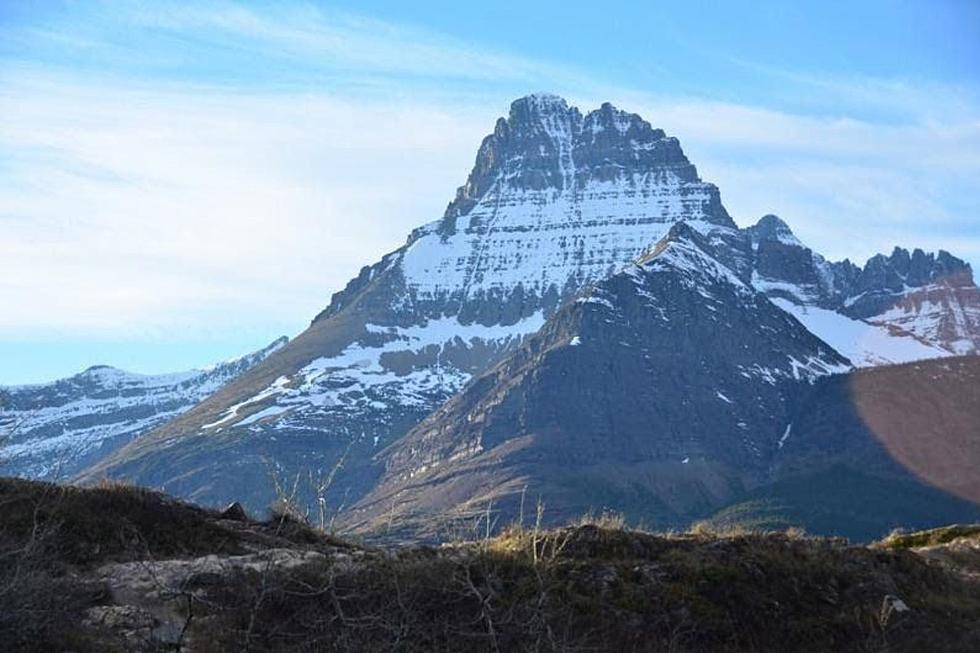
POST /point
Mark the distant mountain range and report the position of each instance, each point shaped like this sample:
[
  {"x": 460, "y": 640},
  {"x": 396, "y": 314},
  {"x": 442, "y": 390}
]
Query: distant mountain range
[
  {"x": 586, "y": 323},
  {"x": 52, "y": 430}
]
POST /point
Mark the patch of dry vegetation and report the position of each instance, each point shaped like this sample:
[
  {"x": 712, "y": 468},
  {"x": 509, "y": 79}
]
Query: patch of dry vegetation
[
  {"x": 931, "y": 537},
  {"x": 593, "y": 585},
  {"x": 586, "y": 587},
  {"x": 52, "y": 536}
]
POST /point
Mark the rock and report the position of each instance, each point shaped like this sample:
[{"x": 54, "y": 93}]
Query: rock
[
  {"x": 151, "y": 598},
  {"x": 127, "y": 626},
  {"x": 234, "y": 512}
]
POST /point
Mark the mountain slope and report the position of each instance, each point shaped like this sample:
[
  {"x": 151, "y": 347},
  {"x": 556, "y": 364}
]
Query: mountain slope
[
  {"x": 930, "y": 296},
  {"x": 661, "y": 391},
  {"x": 636, "y": 406},
  {"x": 895, "y": 446},
  {"x": 54, "y": 429}
]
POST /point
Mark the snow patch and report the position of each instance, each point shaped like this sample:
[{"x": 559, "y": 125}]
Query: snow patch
[
  {"x": 358, "y": 380},
  {"x": 782, "y": 440},
  {"x": 864, "y": 344},
  {"x": 539, "y": 239}
]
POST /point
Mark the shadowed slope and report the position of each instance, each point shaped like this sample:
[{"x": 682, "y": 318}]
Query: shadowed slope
[{"x": 659, "y": 392}]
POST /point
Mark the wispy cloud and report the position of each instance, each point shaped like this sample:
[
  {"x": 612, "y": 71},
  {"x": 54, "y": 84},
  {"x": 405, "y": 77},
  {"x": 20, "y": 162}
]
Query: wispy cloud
[
  {"x": 274, "y": 45},
  {"x": 167, "y": 169},
  {"x": 849, "y": 187},
  {"x": 127, "y": 210}
]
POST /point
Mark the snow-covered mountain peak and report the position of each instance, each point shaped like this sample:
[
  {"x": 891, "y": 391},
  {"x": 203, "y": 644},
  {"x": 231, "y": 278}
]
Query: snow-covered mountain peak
[
  {"x": 546, "y": 144},
  {"x": 902, "y": 270},
  {"x": 556, "y": 200},
  {"x": 100, "y": 372},
  {"x": 106, "y": 377},
  {"x": 608, "y": 117},
  {"x": 543, "y": 112},
  {"x": 931, "y": 296},
  {"x": 772, "y": 228},
  {"x": 539, "y": 111},
  {"x": 897, "y": 308}
]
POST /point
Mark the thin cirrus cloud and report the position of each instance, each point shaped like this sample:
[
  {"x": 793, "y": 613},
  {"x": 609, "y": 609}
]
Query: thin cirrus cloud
[
  {"x": 260, "y": 204},
  {"x": 179, "y": 172},
  {"x": 850, "y": 188}
]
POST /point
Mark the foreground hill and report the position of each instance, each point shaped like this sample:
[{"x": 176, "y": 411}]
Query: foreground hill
[{"x": 123, "y": 569}]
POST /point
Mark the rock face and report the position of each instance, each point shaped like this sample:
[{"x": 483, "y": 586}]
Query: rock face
[
  {"x": 855, "y": 454},
  {"x": 152, "y": 603},
  {"x": 556, "y": 201},
  {"x": 930, "y": 296},
  {"x": 55, "y": 429},
  {"x": 559, "y": 204}
]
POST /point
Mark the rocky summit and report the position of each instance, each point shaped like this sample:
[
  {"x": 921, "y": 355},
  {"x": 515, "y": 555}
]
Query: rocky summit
[
  {"x": 586, "y": 299},
  {"x": 917, "y": 305}
]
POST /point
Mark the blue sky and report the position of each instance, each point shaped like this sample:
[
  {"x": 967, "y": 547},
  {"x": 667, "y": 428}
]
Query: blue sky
[{"x": 181, "y": 183}]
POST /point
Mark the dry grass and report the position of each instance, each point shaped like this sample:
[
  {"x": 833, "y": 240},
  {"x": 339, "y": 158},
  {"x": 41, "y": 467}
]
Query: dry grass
[
  {"x": 935, "y": 536},
  {"x": 593, "y": 585},
  {"x": 591, "y": 588}
]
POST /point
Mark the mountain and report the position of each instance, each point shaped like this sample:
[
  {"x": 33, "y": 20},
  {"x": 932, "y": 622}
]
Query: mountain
[
  {"x": 555, "y": 201},
  {"x": 673, "y": 390},
  {"x": 933, "y": 297},
  {"x": 660, "y": 391},
  {"x": 55, "y": 429},
  {"x": 566, "y": 223}
]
